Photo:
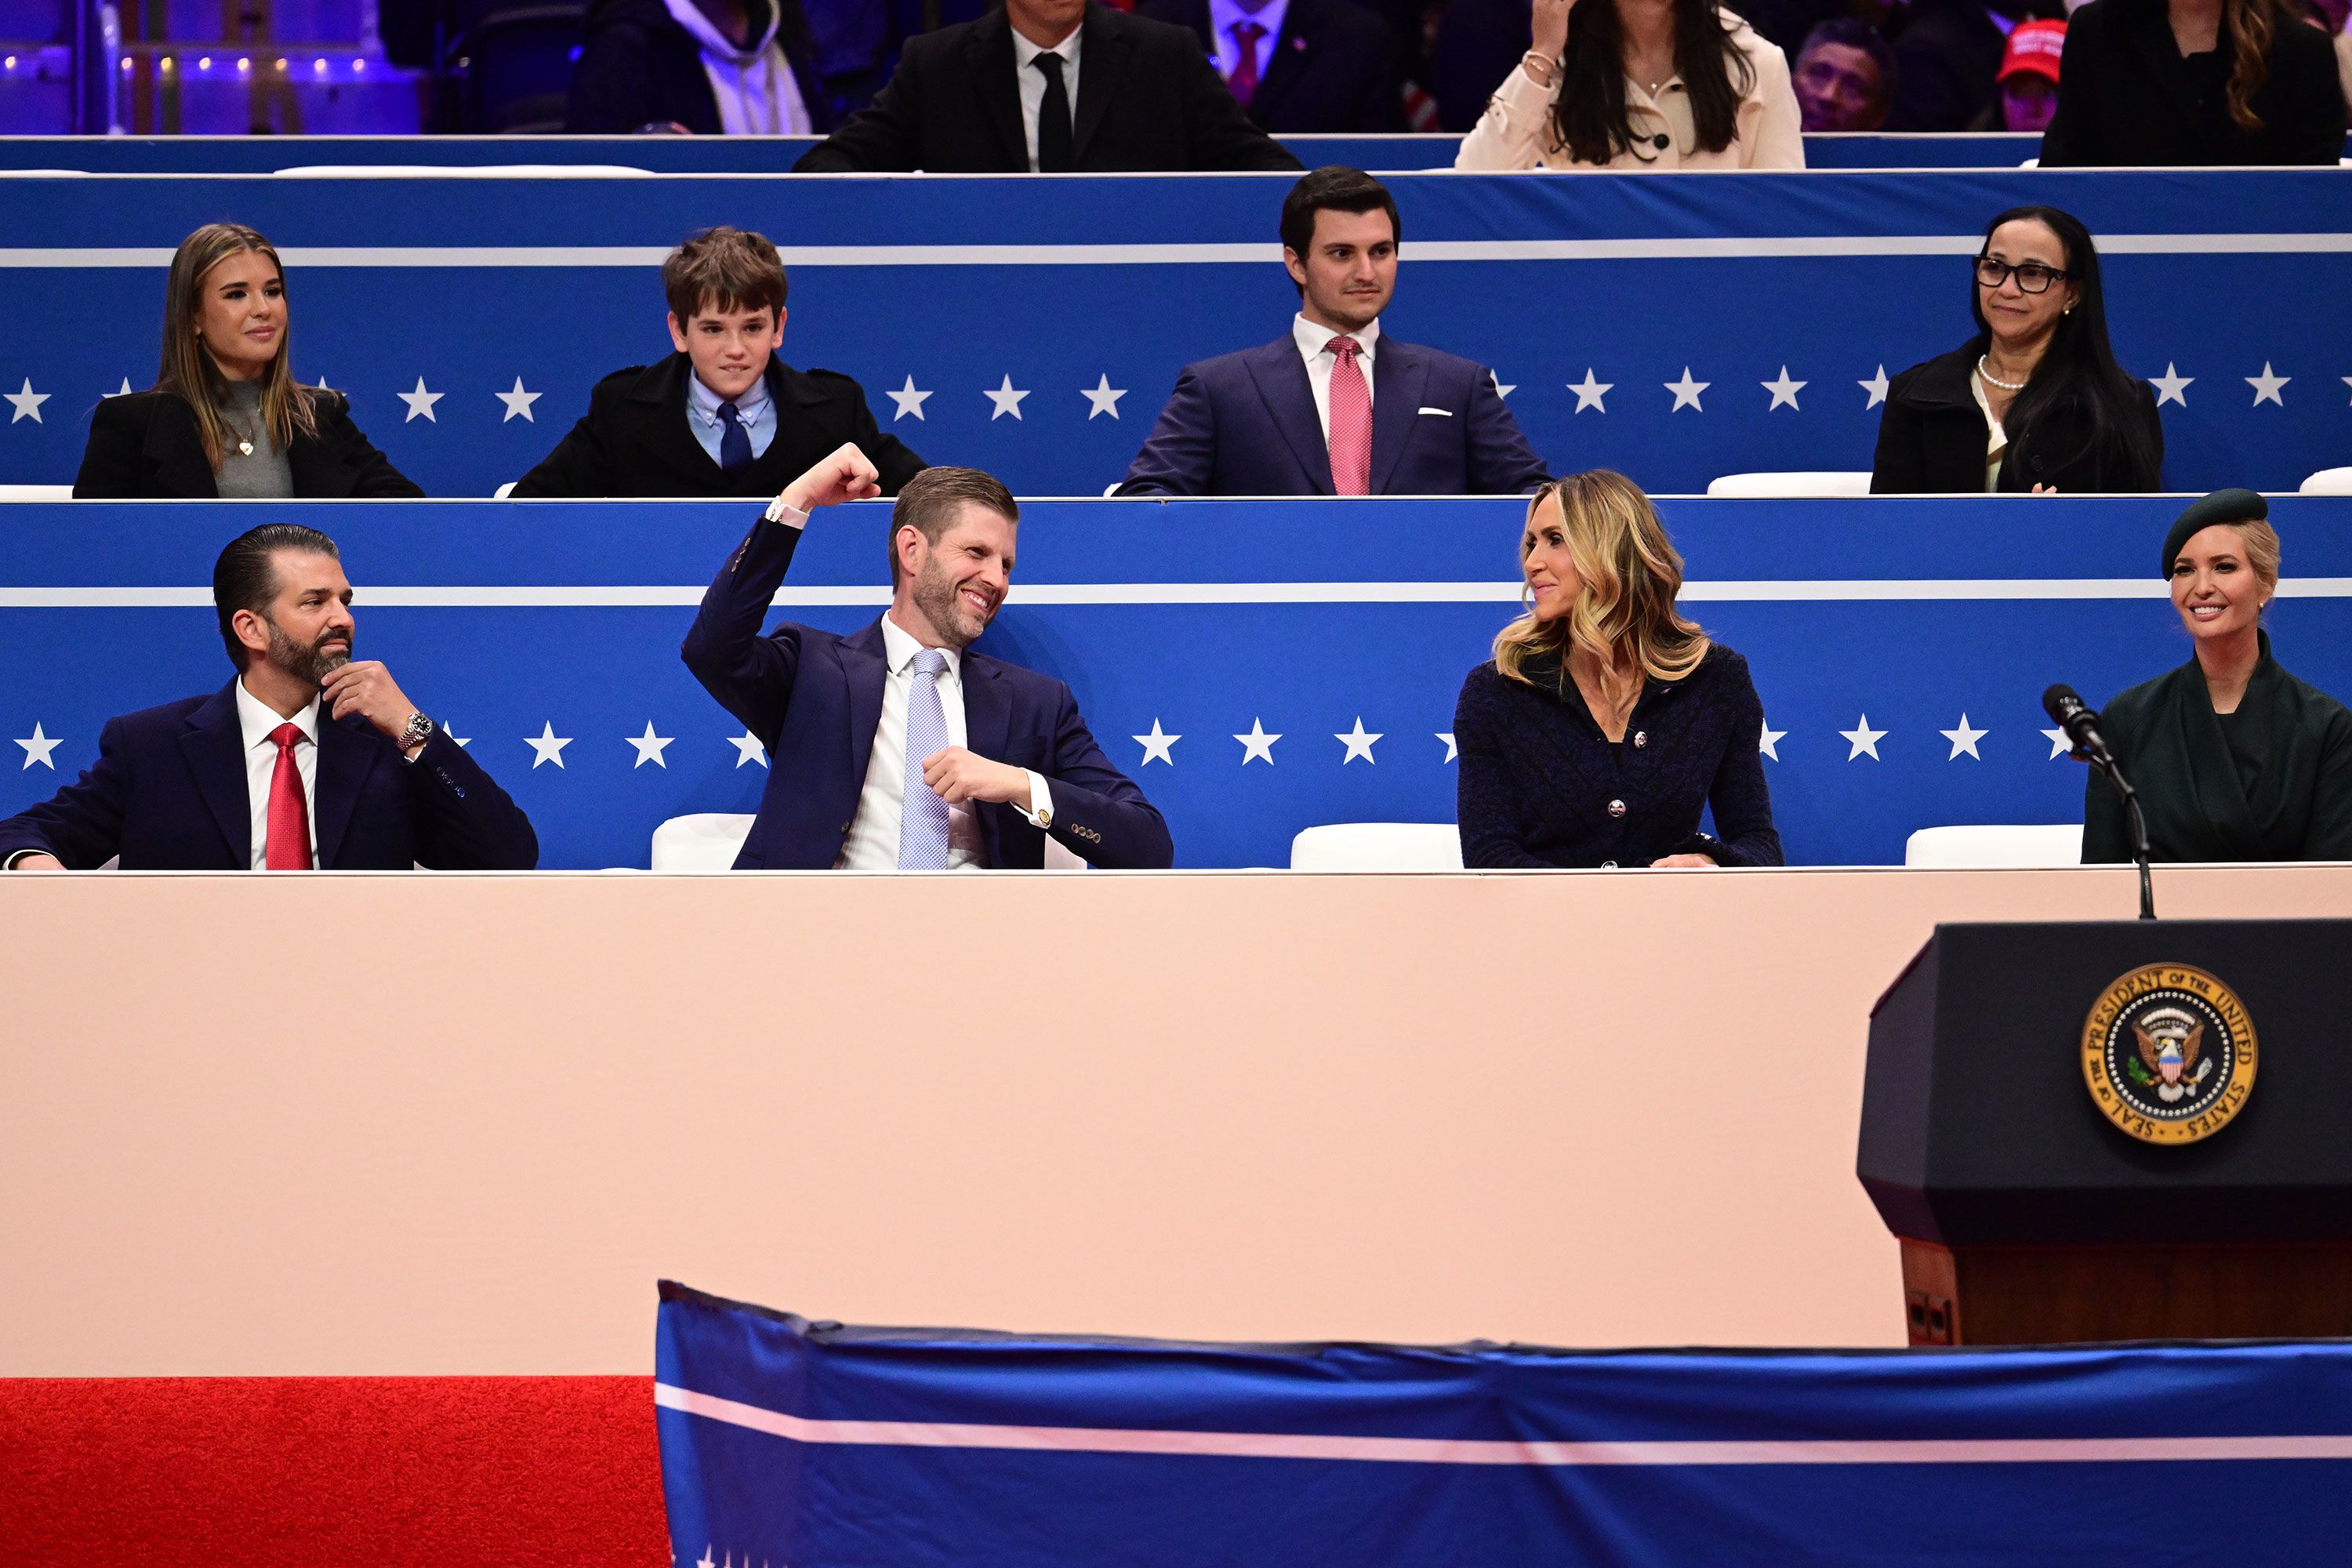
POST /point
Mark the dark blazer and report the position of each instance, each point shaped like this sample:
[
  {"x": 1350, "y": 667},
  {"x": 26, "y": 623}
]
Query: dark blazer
[
  {"x": 637, "y": 67},
  {"x": 1931, "y": 440},
  {"x": 168, "y": 793},
  {"x": 144, "y": 446},
  {"x": 1244, "y": 424},
  {"x": 1541, "y": 785},
  {"x": 1148, "y": 99},
  {"x": 814, "y": 699},
  {"x": 1945, "y": 63},
  {"x": 2127, "y": 97},
  {"x": 1335, "y": 68},
  {"x": 636, "y": 441}
]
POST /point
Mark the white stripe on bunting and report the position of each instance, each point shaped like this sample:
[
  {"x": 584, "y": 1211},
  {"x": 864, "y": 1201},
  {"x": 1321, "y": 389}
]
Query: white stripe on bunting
[
  {"x": 1254, "y": 253},
  {"x": 1483, "y": 1451},
  {"x": 1867, "y": 589}
]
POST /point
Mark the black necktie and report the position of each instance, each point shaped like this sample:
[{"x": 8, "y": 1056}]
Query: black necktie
[{"x": 1053, "y": 155}]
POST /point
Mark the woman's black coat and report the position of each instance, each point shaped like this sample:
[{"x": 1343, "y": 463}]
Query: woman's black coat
[
  {"x": 144, "y": 446},
  {"x": 2127, "y": 97},
  {"x": 1931, "y": 440}
]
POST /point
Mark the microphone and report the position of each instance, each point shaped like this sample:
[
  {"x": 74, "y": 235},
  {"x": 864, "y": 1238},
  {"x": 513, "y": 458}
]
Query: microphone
[{"x": 2080, "y": 721}]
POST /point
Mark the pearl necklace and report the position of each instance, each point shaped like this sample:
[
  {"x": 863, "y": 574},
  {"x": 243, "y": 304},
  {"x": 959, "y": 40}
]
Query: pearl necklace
[{"x": 1993, "y": 380}]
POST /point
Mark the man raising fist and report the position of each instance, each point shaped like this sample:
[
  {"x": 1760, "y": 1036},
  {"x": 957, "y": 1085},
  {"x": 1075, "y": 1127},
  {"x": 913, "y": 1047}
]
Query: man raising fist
[{"x": 896, "y": 748}]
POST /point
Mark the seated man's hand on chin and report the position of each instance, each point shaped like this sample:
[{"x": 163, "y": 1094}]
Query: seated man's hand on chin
[
  {"x": 367, "y": 689},
  {"x": 957, "y": 774},
  {"x": 845, "y": 474}
]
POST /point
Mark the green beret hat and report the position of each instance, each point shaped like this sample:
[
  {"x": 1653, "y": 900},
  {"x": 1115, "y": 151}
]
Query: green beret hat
[{"x": 2222, "y": 506}]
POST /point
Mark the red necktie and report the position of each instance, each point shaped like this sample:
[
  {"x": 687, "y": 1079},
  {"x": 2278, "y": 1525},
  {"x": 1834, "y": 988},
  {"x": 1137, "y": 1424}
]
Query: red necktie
[
  {"x": 1243, "y": 82},
  {"x": 289, "y": 812},
  {"x": 1351, "y": 422}
]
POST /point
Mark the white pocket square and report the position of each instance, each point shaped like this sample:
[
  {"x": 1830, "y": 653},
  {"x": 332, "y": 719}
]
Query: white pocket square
[{"x": 1441, "y": 413}]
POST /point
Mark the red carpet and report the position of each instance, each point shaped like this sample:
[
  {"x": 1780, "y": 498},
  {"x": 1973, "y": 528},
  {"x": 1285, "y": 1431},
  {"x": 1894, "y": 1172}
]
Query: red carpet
[{"x": 434, "y": 1472}]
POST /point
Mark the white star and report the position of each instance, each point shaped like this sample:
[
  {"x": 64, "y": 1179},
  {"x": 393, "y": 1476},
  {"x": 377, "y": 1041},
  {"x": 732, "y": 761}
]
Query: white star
[
  {"x": 28, "y": 402},
  {"x": 323, "y": 386},
  {"x": 123, "y": 391},
  {"x": 1686, "y": 390},
  {"x": 1452, "y": 752},
  {"x": 546, "y": 747},
  {"x": 2170, "y": 386},
  {"x": 455, "y": 738},
  {"x": 517, "y": 401},
  {"x": 38, "y": 748},
  {"x": 748, "y": 749},
  {"x": 649, "y": 748},
  {"x": 1007, "y": 401},
  {"x": 2060, "y": 742},
  {"x": 1358, "y": 744},
  {"x": 908, "y": 400},
  {"x": 2266, "y": 386},
  {"x": 1875, "y": 386},
  {"x": 1257, "y": 745},
  {"x": 705, "y": 1561},
  {"x": 1964, "y": 739},
  {"x": 1782, "y": 391},
  {"x": 1502, "y": 388},
  {"x": 1589, "y": 391},
  {"x": 1156, "y": 744},
  {"x": 1863, "y": 738},
  {"x": 421, "y": 402},
  {"x": 1769, "y": 742},
  {"x": 2346, "y": 380},
  {"x": 1100, "y": 398}
]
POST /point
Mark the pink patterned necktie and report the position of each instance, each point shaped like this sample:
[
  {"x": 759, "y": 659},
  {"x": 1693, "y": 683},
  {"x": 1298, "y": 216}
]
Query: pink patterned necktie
[
  {"x": 1352, "y": 421},
  {"x": 1243, "y": 82}
]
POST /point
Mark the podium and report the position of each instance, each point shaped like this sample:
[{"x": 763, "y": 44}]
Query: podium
[{"x": 2038, "y": 1148}]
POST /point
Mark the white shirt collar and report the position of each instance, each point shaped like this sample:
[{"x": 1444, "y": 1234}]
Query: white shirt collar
[
  {"x": 1023, "y": 51},
  {"x": 255, "y": 719},
  {"x": 1312, "y": 339},
  {"x": 899, "y": 647},
  {"x": 705, "y": 401}
]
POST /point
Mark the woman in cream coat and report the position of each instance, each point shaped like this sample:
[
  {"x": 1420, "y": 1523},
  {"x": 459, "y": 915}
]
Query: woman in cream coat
[{"x": 1639, "y": 84}]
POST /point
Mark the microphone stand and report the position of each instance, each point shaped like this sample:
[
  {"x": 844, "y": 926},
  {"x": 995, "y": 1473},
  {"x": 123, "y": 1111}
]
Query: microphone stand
[{"x": 2105, "y": 764}]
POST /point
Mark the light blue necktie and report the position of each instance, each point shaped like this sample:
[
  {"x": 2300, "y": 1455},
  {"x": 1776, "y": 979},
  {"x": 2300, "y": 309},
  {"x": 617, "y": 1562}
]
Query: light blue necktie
[{"x": 923, "y": 816}]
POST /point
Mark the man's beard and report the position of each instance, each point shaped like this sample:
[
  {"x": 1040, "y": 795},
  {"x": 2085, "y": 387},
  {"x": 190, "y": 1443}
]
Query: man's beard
[
  {"x": 305, "y": 661},
  {"x": 937, "y": 596}
]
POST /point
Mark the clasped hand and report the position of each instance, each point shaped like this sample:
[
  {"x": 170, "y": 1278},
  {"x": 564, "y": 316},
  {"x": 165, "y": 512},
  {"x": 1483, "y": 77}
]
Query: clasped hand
[{"x": 958, "y": 773}]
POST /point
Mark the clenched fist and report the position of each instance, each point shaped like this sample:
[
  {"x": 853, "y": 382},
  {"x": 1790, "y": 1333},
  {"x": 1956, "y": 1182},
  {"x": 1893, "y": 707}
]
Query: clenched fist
[{"x": 844, "y": 474}]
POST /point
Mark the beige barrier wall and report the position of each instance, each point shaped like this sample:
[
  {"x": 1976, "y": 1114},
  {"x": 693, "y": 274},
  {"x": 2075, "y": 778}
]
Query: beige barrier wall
[{"x": 416, "y": 1124}]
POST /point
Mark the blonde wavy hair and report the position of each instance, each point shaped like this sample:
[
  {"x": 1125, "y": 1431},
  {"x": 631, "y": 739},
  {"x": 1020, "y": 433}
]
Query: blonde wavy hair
[
  {"x": 188, "y": 372},
  {"x": 1624, "y": 611}
]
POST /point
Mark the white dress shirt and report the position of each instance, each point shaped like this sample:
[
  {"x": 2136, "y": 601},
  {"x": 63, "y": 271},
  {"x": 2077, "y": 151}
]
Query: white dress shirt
[
  {"x": 1032, "y": 83},
  {"x": 1312, "y": 341},
  {"x": 255, "y": 719},
  {"x": 1224, "y": 15}
]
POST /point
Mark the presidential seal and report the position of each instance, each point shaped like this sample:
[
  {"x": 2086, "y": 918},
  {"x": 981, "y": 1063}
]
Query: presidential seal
[{"x": 2169, "y": 1053}]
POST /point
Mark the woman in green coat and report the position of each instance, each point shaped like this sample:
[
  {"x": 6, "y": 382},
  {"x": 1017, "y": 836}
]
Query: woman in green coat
[{"x": 2233, "y": 758}]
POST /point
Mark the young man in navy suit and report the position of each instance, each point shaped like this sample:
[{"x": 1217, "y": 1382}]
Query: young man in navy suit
[
  {"x": 897, "y": 748},
  {"x": 305, "y": 760},
  {"x": 1334, "y": 407}
]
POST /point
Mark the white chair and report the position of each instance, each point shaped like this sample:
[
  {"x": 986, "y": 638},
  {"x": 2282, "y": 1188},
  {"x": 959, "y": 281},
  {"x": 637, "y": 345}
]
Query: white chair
[
  {"x": 36, "y": 492},
  {"x": 704, "y": 841},
  {"x": 1378, "y": 847},
  {"x": 1799, "y": 483},
  {"x": 2329, "y": 482},
  {"x": 2011, "y": 847}
]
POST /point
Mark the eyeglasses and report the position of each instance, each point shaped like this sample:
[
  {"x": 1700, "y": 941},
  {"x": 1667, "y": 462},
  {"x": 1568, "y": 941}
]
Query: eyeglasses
[{"x": 2031, "y": 276}]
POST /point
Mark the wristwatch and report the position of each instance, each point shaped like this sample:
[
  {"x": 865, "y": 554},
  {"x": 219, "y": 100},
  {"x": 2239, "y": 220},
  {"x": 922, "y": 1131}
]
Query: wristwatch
[{"x": 419, "y": 730}]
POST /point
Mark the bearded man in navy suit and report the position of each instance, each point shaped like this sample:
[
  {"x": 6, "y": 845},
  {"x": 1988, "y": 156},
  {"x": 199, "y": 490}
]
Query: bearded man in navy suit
[
  {"x": 1301, "y": 416},
  {"x": 897, "y": 748},
  {"x": 305, "y": 760}
]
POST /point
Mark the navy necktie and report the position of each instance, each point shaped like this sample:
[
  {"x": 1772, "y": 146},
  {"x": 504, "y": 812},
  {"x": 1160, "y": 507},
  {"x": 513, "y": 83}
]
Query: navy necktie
[{"x": 734, "y": 441}]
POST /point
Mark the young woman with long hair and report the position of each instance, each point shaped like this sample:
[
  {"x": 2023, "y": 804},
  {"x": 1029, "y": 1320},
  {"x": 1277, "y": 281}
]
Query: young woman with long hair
[
  {"x": 1607, "y": 721},
  {"x": 1640, "y": 84},
  {"x": 2035, "y": 400},
  {"x": 2161, "y": 83},
  {"x": 225, "y": 416}
]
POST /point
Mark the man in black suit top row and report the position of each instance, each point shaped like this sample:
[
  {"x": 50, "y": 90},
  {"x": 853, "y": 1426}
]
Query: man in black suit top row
[
  {"x": 1053, "y": 86},
  {"x": 1300, "y": 66}
]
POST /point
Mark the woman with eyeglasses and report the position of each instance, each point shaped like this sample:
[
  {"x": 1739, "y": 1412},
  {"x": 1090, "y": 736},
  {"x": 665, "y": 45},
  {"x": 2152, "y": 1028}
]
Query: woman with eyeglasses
[
  {"x": 2033, "y": 402},
  {"x": 1639, "y": 84},
  {"x": 225, "y": 418}
]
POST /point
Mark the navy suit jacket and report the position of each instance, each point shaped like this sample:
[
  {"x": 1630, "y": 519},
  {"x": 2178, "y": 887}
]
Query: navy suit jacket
[
  {"x": 168, "y": 793},
  {"x": 814, "y": 699},
  {"x": 1244, "y": 424}
]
